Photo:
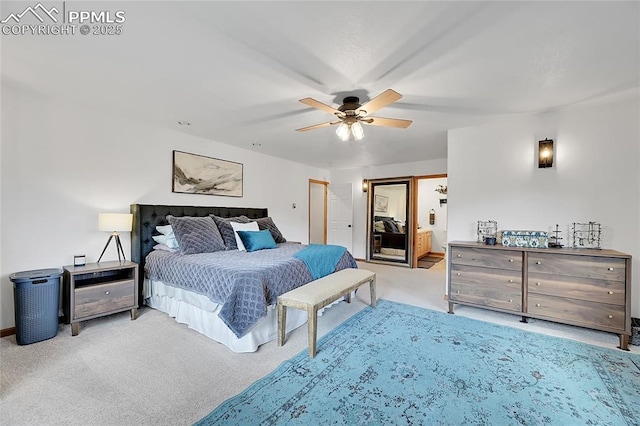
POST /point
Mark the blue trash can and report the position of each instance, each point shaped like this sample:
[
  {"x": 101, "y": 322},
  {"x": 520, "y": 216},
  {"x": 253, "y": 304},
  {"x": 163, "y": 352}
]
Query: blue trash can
[{"x": 36, "y": 296}]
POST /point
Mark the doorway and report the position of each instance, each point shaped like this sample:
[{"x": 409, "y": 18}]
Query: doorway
[
  {"x": 390, "y": 221},
  {"x": 431, "y": 220},
  {"x": 317, "y": 211}
]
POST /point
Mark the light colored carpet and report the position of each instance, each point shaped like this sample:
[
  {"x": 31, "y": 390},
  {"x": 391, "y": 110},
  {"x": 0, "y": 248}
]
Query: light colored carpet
[{"x": 155, "y": 371}]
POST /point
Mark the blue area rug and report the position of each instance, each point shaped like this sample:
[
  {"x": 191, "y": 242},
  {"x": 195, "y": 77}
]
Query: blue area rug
[{"x": 399, "y": 364}]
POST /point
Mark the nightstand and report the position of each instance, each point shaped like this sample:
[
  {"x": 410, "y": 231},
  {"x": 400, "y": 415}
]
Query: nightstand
[
  {"x": 377, "y": 243},
  {"x": 98, "y": 289}
]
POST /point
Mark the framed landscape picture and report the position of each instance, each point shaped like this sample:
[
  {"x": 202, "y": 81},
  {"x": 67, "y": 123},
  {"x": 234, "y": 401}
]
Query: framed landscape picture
[{"x": 197, "y": 174}]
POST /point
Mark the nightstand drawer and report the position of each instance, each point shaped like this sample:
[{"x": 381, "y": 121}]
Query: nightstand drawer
[
  {"x": 502, "y": 259},
  {"x": 101, "y": 298}
]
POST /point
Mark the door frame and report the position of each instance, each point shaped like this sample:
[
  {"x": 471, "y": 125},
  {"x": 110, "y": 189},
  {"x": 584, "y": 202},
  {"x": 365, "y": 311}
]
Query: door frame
[
  {"x": 414, "y": 230},
  {"x": 325, "y": 185},
  {"x": 411, "y": 222}
]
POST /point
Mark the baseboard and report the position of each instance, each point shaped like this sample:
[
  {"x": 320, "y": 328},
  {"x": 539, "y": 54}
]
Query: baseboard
[
  {"x": 435, "y": 254},
  {"x": 7, "y": 332},
  {"x": 359, "y": 260},
  {"x": 12, "y": 330}
]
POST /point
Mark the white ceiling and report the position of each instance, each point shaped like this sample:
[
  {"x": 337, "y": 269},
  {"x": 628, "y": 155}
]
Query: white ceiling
[{"x": 236, "y": 70}]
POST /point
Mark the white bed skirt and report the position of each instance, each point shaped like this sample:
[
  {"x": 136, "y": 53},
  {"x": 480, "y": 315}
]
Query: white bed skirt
[{"x": 201, "y": 314}]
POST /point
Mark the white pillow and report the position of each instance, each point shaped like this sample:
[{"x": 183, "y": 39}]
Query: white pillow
[
  {"x": 168, "y": 240},
  {"x": 164, "y": 247},
  {"x": 251, "y": 226},
  {"x": 164, "y": 229}
]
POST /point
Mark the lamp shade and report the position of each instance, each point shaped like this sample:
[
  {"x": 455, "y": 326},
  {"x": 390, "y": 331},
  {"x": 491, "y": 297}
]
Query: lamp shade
[
  {"x": 357, "y": 131},
  {"x": 343, "y": 131},
  {"x": 115, "y": 222}
]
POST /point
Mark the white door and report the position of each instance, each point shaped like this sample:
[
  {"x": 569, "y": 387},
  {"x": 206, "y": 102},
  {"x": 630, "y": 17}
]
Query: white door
[{"x": 340, "y": 212}]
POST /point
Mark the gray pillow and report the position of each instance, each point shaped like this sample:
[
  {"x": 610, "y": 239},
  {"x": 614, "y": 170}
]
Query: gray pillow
[
  {"x": 196, "y": 234},
  {"x": 267, "y": 223},
  {"x": 228, "y": 235}
]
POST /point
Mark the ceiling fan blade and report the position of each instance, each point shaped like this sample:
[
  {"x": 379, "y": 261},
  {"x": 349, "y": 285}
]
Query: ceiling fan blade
[
  {"x": 318, "y": 126},
  {"x": 387, "y": 122},
  {"x": 319, "y": 105},
  {"x": 383, "y": 99}
]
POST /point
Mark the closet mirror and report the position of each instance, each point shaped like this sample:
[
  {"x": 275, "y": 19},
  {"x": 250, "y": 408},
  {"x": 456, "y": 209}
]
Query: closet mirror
[{"x": 390, "y": 221}]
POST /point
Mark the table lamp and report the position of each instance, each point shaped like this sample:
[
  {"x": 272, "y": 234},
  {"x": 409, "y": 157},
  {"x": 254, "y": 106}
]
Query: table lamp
[{"x": 115, "y": 223}]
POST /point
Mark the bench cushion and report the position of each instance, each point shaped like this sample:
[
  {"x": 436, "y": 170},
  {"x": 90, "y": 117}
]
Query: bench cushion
[{"x": 319, "y": 290}]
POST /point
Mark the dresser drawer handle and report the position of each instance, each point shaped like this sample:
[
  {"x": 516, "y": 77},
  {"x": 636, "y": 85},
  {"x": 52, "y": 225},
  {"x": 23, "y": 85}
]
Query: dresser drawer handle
[
  {"x": 610, "y": 292},
  {"x": 458, "y": 274},
  {"x": 510, "y": 281},
  {"x": 610, "y": 316},
  {"x": 538, "y": 305},
  {"x": 538, "y": 263},
  {"x": 458, "y": 255},
  {"x": 510, "y": 260},
  {"x": 611, "y": 269},
  {"x": 537, "y": 283},
  {"x": 510, "y": 300},
  {"x": 106, "y": 292},
  {"x": 457, "y": 291}
]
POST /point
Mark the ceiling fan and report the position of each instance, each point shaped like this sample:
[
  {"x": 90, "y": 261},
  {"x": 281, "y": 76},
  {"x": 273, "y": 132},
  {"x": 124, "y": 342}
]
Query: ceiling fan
[{"x": 351, "y": 115}]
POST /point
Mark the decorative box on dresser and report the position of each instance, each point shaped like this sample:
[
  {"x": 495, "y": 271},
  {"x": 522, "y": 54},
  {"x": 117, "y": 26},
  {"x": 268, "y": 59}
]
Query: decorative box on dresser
[
  {"x": 584, "y": 287},
  {"x": 98, "y": 289}
]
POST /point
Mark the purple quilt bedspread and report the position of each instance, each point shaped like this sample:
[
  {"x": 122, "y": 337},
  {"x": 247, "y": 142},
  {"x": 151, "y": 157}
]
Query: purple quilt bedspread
[{"x": 244, "y": 283}]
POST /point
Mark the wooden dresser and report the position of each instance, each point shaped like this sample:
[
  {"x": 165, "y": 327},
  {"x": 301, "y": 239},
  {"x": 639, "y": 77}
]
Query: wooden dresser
[{"x": 583, "y": 287}]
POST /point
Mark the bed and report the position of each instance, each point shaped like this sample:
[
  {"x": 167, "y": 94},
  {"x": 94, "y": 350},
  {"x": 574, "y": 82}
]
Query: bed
[
  {"x": 228, "y": 295},
  {"x": 389, "y": 233}
]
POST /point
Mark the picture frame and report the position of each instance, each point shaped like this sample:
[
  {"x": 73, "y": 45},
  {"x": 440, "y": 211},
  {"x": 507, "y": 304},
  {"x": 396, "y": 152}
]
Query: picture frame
[
  {"x": 198, "y": 174},
  {"x": 381, "y": 203}
]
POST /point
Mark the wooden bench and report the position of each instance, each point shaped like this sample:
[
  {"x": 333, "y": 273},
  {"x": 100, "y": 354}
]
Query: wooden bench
[{"x": 318, "y": 294}]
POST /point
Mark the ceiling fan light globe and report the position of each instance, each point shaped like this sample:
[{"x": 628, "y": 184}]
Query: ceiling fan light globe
[
  {"x": 343, "y": 132},
  {"x": 357, "y": 131}
]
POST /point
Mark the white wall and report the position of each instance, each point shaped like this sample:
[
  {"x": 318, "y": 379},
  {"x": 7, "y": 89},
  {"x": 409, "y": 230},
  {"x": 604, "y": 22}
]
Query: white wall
[
  {"x": 429, "y": 199},
  {"x": 61, "y": 165},
  {"x": 355, "y": 177},
  {"x": 493, "y": 174}
]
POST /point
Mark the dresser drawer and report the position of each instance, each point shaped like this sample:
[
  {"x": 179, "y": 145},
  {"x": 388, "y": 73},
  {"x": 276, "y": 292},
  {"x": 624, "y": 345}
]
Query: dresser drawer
[
  {"x": 482, "y": 286},
  {"x": 503, "y": 259},
  {"x": 474, "y": 275},
  {"x": 579, "y": 312},
  {"x": 599, "y": 268},
  {"x": 98, "y": 299},
  {"x": 610, "y": 292},
  {"x": 493, "y": 296}
]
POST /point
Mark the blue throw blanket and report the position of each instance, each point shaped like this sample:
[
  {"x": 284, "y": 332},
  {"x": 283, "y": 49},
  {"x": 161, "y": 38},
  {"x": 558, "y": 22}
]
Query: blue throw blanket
[{"x": 321, "y": 259}]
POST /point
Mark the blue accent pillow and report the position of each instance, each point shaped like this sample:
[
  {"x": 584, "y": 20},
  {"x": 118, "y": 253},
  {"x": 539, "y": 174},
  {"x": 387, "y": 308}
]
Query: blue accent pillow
[{"x": 257, "y": 240}]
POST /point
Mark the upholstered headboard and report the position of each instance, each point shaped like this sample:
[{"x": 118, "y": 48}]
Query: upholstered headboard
[{"x": 147, "y": 216}]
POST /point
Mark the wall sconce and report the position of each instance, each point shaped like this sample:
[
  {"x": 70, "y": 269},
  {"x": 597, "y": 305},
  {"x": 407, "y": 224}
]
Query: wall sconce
[
  {"x": 545, "y": 153},
  {"x": 365, "y": 185}
]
